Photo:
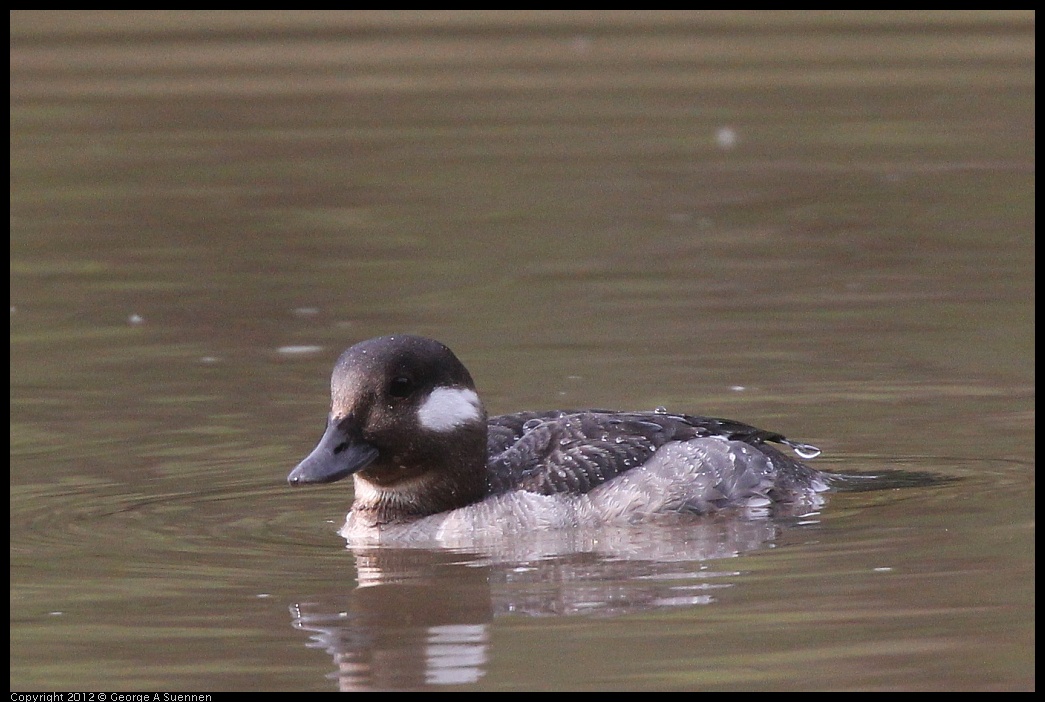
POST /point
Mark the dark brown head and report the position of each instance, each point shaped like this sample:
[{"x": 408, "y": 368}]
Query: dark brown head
[{"x": 406, "y": 421}]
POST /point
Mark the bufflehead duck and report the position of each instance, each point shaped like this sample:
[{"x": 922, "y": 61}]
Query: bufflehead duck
[{"x": 407, "y": 424}]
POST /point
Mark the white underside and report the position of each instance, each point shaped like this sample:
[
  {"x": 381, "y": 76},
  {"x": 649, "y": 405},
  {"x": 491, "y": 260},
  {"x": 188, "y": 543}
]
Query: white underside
[{"x": 682, "y": 477}]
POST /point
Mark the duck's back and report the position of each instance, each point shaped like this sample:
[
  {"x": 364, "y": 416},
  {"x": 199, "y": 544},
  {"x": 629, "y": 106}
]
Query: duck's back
[{"x": 687, "y": 463}]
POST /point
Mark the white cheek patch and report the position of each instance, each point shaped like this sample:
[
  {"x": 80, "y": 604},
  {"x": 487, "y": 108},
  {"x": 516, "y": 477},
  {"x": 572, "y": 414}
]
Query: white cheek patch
[{"x": 447, "y": 408}]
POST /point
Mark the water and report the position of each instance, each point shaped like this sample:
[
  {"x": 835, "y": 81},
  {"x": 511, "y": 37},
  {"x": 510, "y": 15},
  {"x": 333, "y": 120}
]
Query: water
[{"x": 553, "y": 196}]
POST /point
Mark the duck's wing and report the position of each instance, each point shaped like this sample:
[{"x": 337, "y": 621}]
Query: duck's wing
[
  {"x": 574, "y": 451},
  {"x": 555, "y": 452},
  {"x": 506, "y": 429}
]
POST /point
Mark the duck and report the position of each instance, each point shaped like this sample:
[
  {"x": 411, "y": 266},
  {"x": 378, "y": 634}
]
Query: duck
[{"x": 407, "y": 424}]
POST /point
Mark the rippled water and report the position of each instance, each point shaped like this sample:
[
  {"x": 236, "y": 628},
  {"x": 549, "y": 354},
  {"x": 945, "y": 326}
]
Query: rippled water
[{"x": 818, "y": 223}]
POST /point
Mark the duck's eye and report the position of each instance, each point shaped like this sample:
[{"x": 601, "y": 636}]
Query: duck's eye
[{"x": 401, "y": 386}]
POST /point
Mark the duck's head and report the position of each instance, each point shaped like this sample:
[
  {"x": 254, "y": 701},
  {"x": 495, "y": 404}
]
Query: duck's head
[{"x": 404, "y": 416}]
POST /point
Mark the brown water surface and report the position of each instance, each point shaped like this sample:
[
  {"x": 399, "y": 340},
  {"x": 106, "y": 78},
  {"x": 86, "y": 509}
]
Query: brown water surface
[{"x": 819, "y": 223}]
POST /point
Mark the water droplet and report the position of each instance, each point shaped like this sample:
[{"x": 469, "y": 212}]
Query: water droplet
[
  {"x": 298, "y": 350},
  {"x": 726, "y": 138},
  {"x": 532, "y": 424},
  {"x": 660, "y": 410},
  {"x": 580, "y": 44},
  {"x": 806, "y": 451}
]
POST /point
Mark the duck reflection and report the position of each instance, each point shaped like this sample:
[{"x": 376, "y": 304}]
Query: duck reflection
[{"x": 421, "y": 617}]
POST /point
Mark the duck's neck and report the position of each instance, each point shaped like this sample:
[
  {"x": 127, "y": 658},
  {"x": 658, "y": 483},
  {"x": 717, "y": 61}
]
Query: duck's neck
[{"x": 396, "y": 494}]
